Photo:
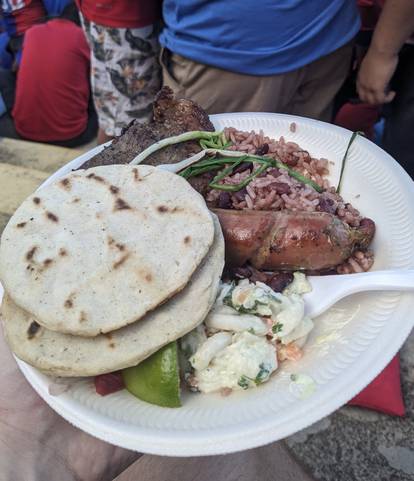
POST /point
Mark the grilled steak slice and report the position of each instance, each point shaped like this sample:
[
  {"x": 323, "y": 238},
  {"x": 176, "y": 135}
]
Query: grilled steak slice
[{"x": 170, "y": 117}]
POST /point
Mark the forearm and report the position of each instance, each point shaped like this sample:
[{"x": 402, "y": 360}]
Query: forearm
[{"x": 394, "y": 27}]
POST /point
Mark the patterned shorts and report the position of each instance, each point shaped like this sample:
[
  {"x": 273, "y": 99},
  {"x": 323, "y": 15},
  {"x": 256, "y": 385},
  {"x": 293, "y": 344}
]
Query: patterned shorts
[{"x": 125, "y": 74}]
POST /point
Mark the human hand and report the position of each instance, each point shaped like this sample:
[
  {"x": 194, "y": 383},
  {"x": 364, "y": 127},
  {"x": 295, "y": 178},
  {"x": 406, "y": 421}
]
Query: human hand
[
  {"x": 37, "y": 444},
  {"x": 374, "y": 76}
]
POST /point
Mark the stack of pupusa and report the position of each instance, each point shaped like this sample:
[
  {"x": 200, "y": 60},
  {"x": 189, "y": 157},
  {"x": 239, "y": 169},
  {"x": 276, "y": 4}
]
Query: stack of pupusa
[{"x": 105, "y": 266}]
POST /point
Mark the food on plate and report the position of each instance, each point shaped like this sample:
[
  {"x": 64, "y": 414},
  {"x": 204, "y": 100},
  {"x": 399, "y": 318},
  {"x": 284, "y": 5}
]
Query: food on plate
[
  {"x": 239, "y": 180},
  {"x": 248, "y": 332},
  {"x": 288, "y": 240},
  {"x": 116, "y": 271},
  {"x": 156, "y": 380},
  {"x": 85, "y": 255},
  {"x": 104, "y": 384},
  {"x": 170, "y": 117},
  {"x": 60, "y": 354},
  {"x": 249, "y": 329},
  {"x": 262, "y": 174}
]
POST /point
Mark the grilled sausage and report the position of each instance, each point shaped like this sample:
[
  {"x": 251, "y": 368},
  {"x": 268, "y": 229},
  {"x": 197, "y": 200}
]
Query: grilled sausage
[{"x": 288, "y": 240}]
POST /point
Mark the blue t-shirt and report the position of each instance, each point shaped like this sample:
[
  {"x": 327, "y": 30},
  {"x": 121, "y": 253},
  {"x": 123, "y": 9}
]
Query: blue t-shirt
[{"x": 258, "y": 37}]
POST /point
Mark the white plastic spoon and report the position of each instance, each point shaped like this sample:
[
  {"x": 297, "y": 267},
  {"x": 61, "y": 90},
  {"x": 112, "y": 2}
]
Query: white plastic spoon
[{"x": 327, "y": 290}]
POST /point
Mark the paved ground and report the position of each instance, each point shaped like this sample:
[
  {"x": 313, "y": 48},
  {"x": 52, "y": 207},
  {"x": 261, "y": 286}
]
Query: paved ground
[
  {"x": 359, "y": 445},
  {"x": 350, "y": 445}
]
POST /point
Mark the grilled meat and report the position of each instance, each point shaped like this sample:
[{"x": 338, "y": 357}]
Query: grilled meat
[
  {"x": 170, "y": 117},
  {"x": 289, "y": 240}
]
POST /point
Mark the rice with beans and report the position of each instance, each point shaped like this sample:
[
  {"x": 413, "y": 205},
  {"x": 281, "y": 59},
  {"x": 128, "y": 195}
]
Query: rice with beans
[{"x": 274, "y": 189}]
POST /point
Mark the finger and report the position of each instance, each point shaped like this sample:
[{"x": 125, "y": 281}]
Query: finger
[
  {"x": 389, "y": 97},
  {"x": 362, "y": 92},
  {"x": 378, "y": 97},
  {"x": 382, "y": 97},
  {"x": 365, "y": 95},
  {"x": 371, "y": 98}
]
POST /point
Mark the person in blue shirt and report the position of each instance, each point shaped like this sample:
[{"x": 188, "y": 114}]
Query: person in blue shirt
[{"x": 288, "y": 56}]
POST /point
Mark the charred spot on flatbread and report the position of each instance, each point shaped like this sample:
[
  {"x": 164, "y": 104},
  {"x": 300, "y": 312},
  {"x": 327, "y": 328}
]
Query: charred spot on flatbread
[
  {"x": 53, "y": 217},
  {"x": 187, "y": 239},
  {"x": 135, "y": 173},
  {"x": 20, "y": 225},
  {"x": 65, "y": 183},
  {"x": 111, "y": 242},
  {"x": 108, "y": 335},
  {"x": 33, "y": 330},
  {"x": 98, "y": 178},
  {"x": 120, "y": 204},
  {"x": 162, "y": 209},
  {"x": 119, "y": 262},
  {"x": 47, "y": 262},
  {"x": 113, "y": 189},
  {"x": 63, "y": 252},
  {"x": 30, "y": 253},
  {"x": 36, "y": 200},
  {"x": 68, "y": 303}
]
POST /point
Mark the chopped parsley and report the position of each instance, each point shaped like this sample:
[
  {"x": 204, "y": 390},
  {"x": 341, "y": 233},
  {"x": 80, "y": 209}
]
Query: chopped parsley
[
  {"x": 243, "y": 382},
  {"x": 262, "y": 375},
  {"x": 251, "y": 330},
  {"x": 276, "y": 328}
]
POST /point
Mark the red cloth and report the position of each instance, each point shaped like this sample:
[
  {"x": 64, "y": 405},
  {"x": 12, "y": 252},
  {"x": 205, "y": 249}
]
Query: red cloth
[
  {"x": 384, "y": 392},
  {"x": 19, "y": 15},
  {"x": 358, "y": 118},
  {"x": 369, "y": 11},
  {"x": 121, "y": 13},
  {"x": 52, "y": 90}
]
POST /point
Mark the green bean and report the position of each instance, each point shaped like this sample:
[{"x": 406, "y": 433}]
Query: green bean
[
  {"x": 351, "y": 140},
  {"x": 237, "y": 187}
]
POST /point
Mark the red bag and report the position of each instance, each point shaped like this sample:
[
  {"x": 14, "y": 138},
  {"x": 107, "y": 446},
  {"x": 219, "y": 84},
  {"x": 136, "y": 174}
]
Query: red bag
[{"x": 384, "y": 393}]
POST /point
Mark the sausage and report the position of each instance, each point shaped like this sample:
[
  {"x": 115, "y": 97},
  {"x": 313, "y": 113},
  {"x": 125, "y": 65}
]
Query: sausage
[{"x": 288, "y": 240}]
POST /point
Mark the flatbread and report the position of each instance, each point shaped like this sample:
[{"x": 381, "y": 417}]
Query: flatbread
[
  {"x": 67, "y": 355},
  {"x": 98, "y": 249}
]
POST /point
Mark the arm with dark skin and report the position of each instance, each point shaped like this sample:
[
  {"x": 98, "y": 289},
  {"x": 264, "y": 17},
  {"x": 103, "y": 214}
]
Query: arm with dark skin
[{"x": 394, "y": 27}]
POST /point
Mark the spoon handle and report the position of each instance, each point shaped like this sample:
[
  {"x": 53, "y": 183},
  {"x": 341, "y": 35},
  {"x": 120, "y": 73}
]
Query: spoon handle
[
  {"x": 327, "y": 290},
  {"x": 177, "y": 167}
]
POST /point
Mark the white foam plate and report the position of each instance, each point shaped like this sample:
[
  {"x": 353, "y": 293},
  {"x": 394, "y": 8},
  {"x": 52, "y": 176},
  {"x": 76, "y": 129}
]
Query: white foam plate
[{"x": 349, "y": 346}]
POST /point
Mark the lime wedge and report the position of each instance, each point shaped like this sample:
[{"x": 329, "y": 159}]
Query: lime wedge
[{"x": 156, "y": 380}]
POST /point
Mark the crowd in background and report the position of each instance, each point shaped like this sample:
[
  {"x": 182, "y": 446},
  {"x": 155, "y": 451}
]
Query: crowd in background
[{"x": 71, "y": 72}]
